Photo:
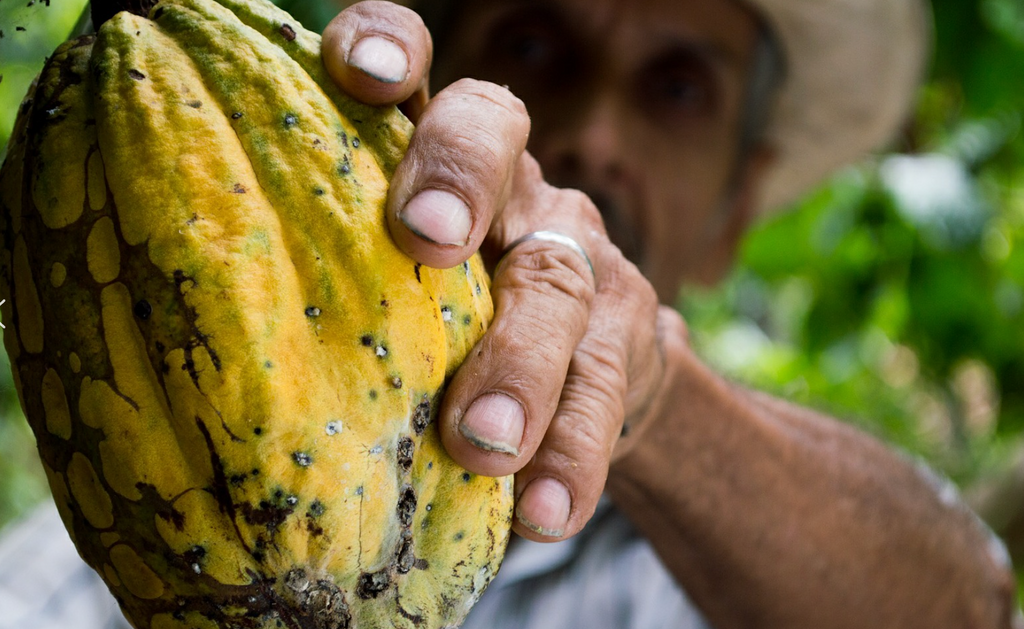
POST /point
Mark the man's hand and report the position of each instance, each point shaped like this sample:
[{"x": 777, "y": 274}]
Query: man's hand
[{"x": 571, "y": 354}]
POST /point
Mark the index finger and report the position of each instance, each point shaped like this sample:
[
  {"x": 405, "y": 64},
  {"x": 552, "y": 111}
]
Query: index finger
[
  {"x": 378, "y": 52},
  {"x": 457, "y": 173}
]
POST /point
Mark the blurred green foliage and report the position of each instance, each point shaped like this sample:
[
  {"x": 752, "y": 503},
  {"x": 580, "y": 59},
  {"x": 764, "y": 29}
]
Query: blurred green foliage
[
  {"x": 892, "y": 297},
  {"x": 29, "y": 31}
]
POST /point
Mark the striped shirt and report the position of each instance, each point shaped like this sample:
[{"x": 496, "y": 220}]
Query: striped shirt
[{"x": 607, "y": 577}]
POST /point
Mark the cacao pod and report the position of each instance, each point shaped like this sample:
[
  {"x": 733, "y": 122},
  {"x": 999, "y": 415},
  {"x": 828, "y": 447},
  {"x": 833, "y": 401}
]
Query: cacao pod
[{"x": 230, "y": 369}]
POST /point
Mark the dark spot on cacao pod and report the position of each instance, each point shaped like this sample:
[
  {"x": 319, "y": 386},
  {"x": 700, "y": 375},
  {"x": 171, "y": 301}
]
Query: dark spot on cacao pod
[
  {"x": 405, "y": 450},
  {"x": 20, "y": 29},
  {"x": 290, "y": 120},
  {"x": 239, "y": 189},
  {"x": 302, "y": 459},
  {"x": 319, "y": 192},
  {"x": 142, "y": 309},
  {"x": 355, "y": 143},
  {"x": 465, "y": 266},
  {"x": 458, "y": 536},
  {"x": 466, "y": 477},
  {"x": 236, "y": 115},
  {"x": 292, "y": 500},
  {"x": 312, "y": 311},
  {"x": 371, "y": 584},
  {"x": 366, "y": 340},
  {"x": 373, "y": 394},
  {"x": 297, "y": 580},
  {"x": 421, "y": 564},
  {"x": 396, "y": 382},
  {"x": 323, "y": 606},
  {"x": 316, "y": 509},
  {"x": 195, "y": 104},
  {"x": 255, "y": 471},
  {"x": 193, "y": 556},
  {"x": 430, "y": 465},
  {"x": 380, "y": 351},
  {"x": 406, "y": 506},
  {"x": 479, "y": 291},
  {"x": 135, "y": 74},
  {"x": 268, "y": 364},
  {"x": 405, "y": 560},
  {"x": 257, "y": 431},
  {"x": 287, "y": 32},
  {"x": 416, "y": 269},
  {"x": 421, "y": 416},
  {"x": 466, "y": 320},
  {"x": 344, "y": 168},
  {"x": 267, "y": 514}
]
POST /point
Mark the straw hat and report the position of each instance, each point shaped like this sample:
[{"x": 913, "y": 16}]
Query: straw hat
[{"x": 852, "y": 71}]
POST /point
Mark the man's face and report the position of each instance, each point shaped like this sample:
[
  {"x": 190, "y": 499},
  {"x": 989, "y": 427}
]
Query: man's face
[{"x": 636, "y": 102}]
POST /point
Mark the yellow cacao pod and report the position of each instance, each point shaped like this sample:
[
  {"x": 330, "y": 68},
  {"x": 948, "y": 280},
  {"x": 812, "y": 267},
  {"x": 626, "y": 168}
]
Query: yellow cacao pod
[{"x": 230, "y": 369}]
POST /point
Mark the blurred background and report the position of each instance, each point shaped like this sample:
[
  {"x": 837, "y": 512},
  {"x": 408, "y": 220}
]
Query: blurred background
[{"x": 891, "y": 297}]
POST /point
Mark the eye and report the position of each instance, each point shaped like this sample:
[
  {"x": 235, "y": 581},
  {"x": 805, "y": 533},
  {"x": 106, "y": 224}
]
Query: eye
[
  {"x": 678, "y": 85},
  {"x": 679, "y": 90},
  {"x": 529, "y": 45},
  {"x": 528, "y": 48}
]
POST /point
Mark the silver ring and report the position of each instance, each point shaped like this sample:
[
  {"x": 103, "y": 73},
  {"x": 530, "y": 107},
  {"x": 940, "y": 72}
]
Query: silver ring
[{"x": 555, "y": 237}]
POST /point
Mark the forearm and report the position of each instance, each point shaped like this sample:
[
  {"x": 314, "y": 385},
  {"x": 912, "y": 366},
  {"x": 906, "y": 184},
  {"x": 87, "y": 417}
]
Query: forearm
[{"x": 770, "y": 515}]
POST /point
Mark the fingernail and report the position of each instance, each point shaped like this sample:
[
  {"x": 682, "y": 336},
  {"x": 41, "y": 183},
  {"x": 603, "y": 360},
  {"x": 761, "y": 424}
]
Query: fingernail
[
  {"x": 382, "y": 59},
  {"x": 438, "y": 216},
  {"x": 494, "y": 423},
  {"x": 544, "y": 507}
]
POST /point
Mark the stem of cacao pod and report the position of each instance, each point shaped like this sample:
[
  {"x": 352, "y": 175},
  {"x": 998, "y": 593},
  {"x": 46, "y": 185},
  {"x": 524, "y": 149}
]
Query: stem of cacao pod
[{"x": 103, "y": 10}]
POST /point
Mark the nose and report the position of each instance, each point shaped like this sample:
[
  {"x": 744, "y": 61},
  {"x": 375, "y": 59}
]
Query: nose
[
  {"x": 587, "y": 147},
  {"x": 584, "y": 146}
]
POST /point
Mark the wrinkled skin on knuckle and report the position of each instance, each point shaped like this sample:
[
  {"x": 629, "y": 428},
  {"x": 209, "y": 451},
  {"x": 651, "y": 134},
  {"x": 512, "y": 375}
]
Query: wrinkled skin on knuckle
[
  {"x": 492, "y": 110},
  {"x": 487, "y": 151},
  {"x": 513, "y": 342},
  {"x": 551, "y": 269},
  {"x": 600, "y": 369},
  {"x": 493, "y": 93},
  {"x": 643, "y": 361},
  {"x": 590, "y": 445},
  {"x": 386, "y": 16}
]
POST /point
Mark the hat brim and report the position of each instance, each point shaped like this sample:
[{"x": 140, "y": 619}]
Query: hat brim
[{"x": 853, "y": 68}]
